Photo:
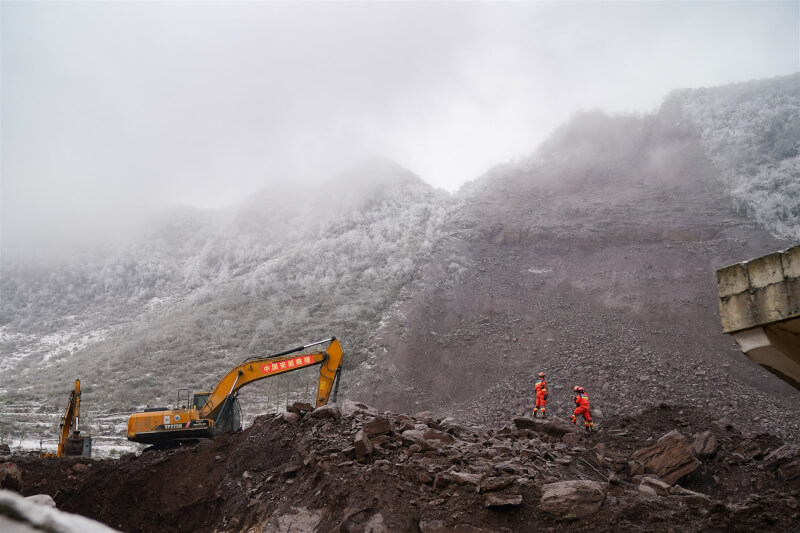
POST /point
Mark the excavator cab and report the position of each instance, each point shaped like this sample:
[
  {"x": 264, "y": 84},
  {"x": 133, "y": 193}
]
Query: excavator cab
[{"x": 200, "y": 399}]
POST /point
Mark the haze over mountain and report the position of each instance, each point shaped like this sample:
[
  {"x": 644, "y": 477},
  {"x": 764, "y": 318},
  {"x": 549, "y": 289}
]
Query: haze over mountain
[{"x": 593, "y": 259}]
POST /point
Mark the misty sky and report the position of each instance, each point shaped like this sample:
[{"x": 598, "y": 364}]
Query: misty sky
[{"x": 108, "y": 108}]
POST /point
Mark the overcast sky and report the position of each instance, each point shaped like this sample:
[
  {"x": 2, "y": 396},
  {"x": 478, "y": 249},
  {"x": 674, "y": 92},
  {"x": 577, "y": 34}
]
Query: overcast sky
[{"x": 110, "y": 107}]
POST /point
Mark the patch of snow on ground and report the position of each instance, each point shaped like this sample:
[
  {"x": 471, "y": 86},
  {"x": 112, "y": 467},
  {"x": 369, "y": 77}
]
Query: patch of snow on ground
[{"x": 47, "y": 346}]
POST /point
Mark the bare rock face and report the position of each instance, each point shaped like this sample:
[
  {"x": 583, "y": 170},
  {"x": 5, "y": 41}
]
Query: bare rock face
[
  {"x": 705, "y": 445},
  {"x": 670, "y": 458},
  {"x": 10, "y": 477},
  {"x": 576, "y": 498}
]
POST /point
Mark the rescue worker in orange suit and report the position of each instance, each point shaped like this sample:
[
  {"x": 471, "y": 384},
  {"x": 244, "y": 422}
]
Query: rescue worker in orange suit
[
  {"x": 541, "y": 396},
  {"x": 582, "y": 408}
]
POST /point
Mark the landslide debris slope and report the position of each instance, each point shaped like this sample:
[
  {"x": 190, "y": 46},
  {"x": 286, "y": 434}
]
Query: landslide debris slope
[
  {"x": 358, "y": 470},
  {"x": 594, "y": 261}
]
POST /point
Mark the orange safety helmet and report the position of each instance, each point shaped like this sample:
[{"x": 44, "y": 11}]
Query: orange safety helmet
[{"x": 541, "y": 374}]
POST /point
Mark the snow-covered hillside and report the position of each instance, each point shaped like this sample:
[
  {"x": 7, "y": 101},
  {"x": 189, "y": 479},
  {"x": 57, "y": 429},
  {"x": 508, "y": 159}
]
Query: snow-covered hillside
[{"x": 200, "y": 291}]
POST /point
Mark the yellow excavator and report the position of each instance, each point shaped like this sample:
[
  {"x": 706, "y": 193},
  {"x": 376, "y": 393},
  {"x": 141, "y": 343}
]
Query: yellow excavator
[
  {"x": 71, "y": 442},
  {"x": 218, "y": 411}
]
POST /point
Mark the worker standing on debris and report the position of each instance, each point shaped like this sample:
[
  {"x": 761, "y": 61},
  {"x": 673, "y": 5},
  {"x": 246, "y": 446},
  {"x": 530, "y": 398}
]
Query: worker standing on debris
[
  {"x": 541, "y": 396},
  {"x": 582, "y": 408}
]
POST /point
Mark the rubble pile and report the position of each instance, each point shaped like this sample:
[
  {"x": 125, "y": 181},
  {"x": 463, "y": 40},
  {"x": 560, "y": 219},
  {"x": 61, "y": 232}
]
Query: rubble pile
[{"x": 352, "y": 468}]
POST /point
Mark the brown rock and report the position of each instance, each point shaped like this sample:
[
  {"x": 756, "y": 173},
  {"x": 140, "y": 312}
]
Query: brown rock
[
  {"x": 80, "y": 468},
  {"x": 327, "y": 411},
  {"x": 362, "y": 445},
  {"x": 635, "y": 468},
  {"x": 790, "y": 472},
  {"x": 349, "y": 407},
  {"x": 302, "y": 406},
  {"x": 658, "y": 486},
  {"x": 379, "y": 425},
  {"x": 748, "y": 449},
  {"x": 291, "y": 417},
  {"x": 439, "y": 526},
  {"x": 571, "y": 439},
  {"x": 497, "y": 483},
  {"x": 647, "y": 492},
  {"x": 434, "y": 434},
  {"x": 670, "y": 458},
  {"x": 412, "y": 437},
  {"x": 705, "y": 445},
  {"x": 577, "y": 498},
  {"x": 553, "y": 427},
  {"x": 442, "y": 480},
  {"x": 495, "y": 499},
  {"x": 466, "y": 478},
  {"x": 779, "y": 456}
]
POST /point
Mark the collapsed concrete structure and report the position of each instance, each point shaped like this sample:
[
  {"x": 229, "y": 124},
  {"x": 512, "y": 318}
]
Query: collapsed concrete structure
[{"x": 759, "y": 303}]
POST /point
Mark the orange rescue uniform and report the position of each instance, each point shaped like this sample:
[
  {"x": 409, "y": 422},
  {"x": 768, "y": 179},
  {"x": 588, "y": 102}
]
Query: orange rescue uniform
[
  {"x": 541, "y": 397},
  {"x": 582, "y": 408}
]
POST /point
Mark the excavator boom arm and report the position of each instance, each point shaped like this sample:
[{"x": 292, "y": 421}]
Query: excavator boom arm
[
  {"x": 256, "y": 368},
  {"x": 71, "y": 414}
]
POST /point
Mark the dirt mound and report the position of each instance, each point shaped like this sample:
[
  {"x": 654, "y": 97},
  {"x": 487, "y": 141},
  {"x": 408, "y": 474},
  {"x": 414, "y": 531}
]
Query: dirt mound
[{"x": 369, "y": 471}]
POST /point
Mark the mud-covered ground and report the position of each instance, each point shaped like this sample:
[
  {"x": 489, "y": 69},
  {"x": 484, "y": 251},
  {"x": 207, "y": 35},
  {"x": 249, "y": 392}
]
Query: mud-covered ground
[{"x": 370, "y": 471}]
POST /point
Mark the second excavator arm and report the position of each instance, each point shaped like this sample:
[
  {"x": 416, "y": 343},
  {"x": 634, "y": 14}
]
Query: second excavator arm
[{"x": 71, "y": 415}]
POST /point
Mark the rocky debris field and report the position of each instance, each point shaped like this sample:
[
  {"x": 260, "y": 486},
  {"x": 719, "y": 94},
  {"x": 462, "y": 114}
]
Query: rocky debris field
[
  {"x": 635, "y": 368},
  {"x": 351, "y": 468}
]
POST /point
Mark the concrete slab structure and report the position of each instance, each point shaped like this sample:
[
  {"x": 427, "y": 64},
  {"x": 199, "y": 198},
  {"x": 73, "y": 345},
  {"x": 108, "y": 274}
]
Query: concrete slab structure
[{"x": 759, "y": 304}]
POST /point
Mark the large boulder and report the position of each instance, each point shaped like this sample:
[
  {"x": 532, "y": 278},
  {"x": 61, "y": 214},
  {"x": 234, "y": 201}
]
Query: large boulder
[
  {"x": 705, "y": 445},
  {"x": 379, "y": 425},
  {"x": 659, "y": 487},
  {"x": 553, "y": 427},
  {"x": 330, "y": 412},
  {"x": 362, "y": 445},
  {"x": 576, "y": 498},
  {"x": 670, "y": 458}
]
